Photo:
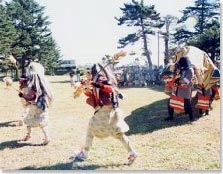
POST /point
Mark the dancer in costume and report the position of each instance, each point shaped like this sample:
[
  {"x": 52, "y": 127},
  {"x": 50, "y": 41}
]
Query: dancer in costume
[
  {"x": 36, "y": 98},
  {"x": 181, "y": 100},
  {"x": 107, "y": 120}
]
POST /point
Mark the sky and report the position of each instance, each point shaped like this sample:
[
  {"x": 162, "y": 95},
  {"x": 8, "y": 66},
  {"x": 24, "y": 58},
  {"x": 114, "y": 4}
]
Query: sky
[{"x": 86, "y": 30}]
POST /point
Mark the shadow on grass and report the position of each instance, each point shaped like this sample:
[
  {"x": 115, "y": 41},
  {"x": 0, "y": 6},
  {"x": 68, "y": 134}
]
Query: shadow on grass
[
  {"x": 71, "y": 166},
  {"x": 151, "y": 117},
  {"x": 13, "y": 144},
  {"x": 8, "y": 124},
  {"x": 62, "y": 81},
  {"x": 159, "y": 88}
]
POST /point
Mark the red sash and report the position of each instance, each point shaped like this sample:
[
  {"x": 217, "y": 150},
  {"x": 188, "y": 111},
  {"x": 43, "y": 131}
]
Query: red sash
[
  {"x": 177, "y": 103},
  {"x": 203, "y": 102},
  {"x": 217, "y": 95}
]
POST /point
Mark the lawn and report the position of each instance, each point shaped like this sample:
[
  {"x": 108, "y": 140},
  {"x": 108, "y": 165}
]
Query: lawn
[{"x": 177, "y": 145}]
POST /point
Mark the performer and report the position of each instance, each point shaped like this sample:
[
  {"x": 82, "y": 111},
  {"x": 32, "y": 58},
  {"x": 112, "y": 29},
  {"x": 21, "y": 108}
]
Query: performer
[
  {"x": 181, "y": 100},
  {"x": 36, "y": 97},
  {"x": 205, "y": 98},
  {"x": 107, "y": 119}
]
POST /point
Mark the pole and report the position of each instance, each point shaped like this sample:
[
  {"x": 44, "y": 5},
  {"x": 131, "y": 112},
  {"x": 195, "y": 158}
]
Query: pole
[{"x": 158, "y": 49}]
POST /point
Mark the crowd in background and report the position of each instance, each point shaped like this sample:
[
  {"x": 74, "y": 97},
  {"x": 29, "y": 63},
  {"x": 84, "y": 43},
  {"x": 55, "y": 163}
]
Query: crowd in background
[{"x": 138, "y": 76}]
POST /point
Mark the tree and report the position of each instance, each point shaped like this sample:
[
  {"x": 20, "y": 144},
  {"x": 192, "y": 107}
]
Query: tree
[
  {"x": 8, "y": 36},
  {"x": 7, "y": 32},
  {"x": 209, "y": 40},
  {"x": 144, "y": 19},
  {"x": 169, "y": 19},
  {"x": 33, "y": 31},
  {"x": 204, "y": 11},
  {"x": 50, "y": 56}
]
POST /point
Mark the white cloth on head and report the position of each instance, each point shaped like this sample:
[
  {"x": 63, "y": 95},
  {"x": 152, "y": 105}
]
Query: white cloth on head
[{"x": 35, "y": 73}]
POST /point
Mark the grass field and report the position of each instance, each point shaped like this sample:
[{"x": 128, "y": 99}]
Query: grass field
[{"x": 177, "y": 145}]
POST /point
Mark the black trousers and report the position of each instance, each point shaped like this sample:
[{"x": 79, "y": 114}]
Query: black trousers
[{"x": 187, "y": 107}]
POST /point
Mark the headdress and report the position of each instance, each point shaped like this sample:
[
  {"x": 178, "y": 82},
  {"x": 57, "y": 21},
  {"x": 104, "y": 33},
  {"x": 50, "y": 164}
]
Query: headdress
[
  {"x": 184, "y": 63},
  {"x": 37, "y": 79}
]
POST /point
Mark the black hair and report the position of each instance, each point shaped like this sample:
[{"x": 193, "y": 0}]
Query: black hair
[
  {"x": 94, "y": 70},
  {"x": 184, "y": 63}
]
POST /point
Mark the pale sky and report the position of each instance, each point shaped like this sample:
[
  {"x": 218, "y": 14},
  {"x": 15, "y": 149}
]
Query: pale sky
[{"x": 86, "y": 30}]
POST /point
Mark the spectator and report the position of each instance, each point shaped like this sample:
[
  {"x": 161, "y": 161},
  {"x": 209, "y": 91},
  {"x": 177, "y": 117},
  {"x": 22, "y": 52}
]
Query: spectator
[
  {"x": 78, "y": 74},
  {"x": 72, "y": 79}
]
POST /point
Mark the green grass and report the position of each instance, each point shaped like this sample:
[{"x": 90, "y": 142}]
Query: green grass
[{"x": 177, "y": 145}]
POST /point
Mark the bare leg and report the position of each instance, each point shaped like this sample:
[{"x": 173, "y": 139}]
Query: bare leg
[
  {"x": 46, "y": 135},
  {"x": 83, "y": 154},
  {"x": 28, "y": 133},
  {"x": 125, "y": 141},
  {"x": 88, "y": 141}
]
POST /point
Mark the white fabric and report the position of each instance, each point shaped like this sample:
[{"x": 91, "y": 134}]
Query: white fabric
[{"x": 35, "y": 73}]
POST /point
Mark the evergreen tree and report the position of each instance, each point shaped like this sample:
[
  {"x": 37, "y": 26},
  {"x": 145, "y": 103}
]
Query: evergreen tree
[
  {"x": 205, "y": 11},
  {"x": 7, "y": 33},
  {"x": 209, "y": 40},
  {"x": 50, "y": 56},
  {"x": 166, "y": 35},
  {"x": 7, "y": 37},
  {"x": 143, "y": 18},
  {"x": 32, "y": 28}
]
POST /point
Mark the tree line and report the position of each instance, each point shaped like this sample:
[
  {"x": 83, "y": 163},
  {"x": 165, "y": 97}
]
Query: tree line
[
  {"x": 25, "y": 31},
  {"x": 25, "y": 34},
  {"x": 146, "y": 21}
]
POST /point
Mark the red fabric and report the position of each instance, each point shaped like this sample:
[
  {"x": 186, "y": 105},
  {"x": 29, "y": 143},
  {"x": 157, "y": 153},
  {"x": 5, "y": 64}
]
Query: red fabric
[
  {"x": 99, "y": 96},
  {"x": 30, "y": 96},
  {"x": 107, "y": 89},
  {"x": 177, "y": 103},
  {"x": 203, "y": 102},
  {"x": 88, "y": 93},
  {"x": 91, "y": 101},
  {"x": 217, "y": 95}
]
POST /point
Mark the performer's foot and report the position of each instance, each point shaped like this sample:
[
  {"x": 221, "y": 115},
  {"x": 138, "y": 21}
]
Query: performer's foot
[
  {"x": 132, "y": 157},
  {"x": 192, "y": 119},
  {"x": 20, "y": 123},
  {"x": 81, "y": 156},
  {"x": 45, "y": 141},
  {"x": 26, "y": 138},
  {"x": 169, "y": 119}
]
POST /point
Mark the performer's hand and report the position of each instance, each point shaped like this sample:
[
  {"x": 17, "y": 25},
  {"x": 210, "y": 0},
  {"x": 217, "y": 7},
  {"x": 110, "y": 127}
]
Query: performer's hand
[
  {"x": 97, "y": 85},
  {"x": 177, "y": 82},
  {"x": 20, "y": 94},
  {"x": 182, "y": 82}
]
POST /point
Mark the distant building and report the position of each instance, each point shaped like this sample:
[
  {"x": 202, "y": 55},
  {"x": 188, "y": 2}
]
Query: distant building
[
  {"x": 68, "y": 63},
  {"x": 66, "y": 66}
]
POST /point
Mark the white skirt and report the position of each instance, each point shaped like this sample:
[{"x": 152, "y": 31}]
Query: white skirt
[
  {"x": 107, "y": 122},
  {"x": 34, "y": 116}
]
